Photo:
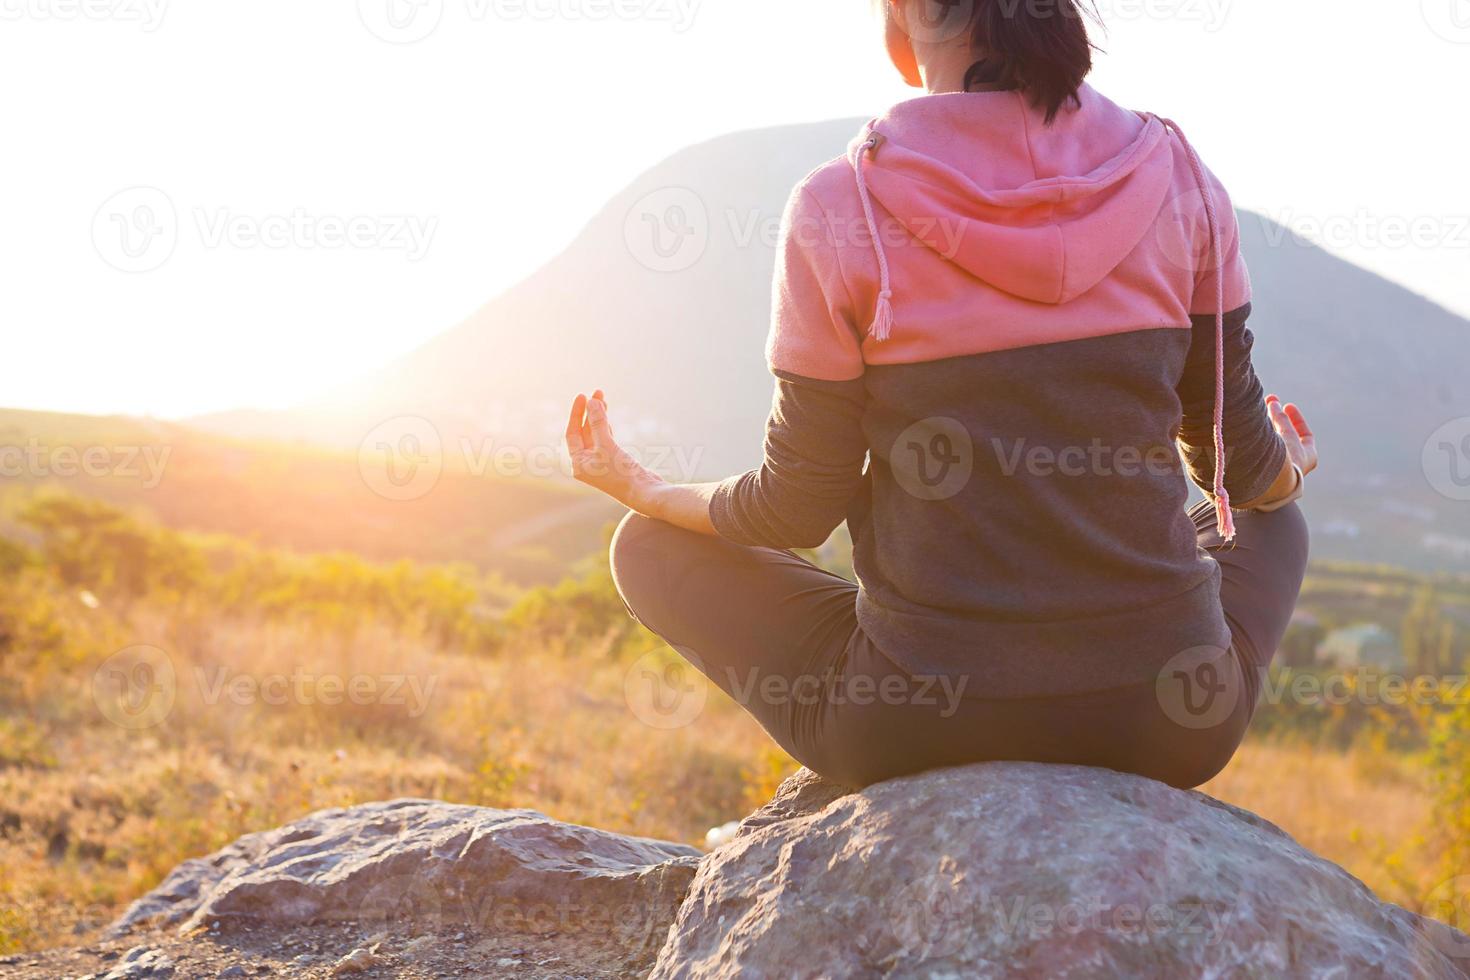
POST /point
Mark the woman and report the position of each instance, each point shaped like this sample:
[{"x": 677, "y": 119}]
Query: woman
[{"x": 994, "y": 320}]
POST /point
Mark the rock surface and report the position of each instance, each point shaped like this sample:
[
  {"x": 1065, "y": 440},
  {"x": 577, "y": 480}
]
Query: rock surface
[
  {"x": 434, "y": 869},
  {"x": 1000, "y": 870},
  {"x": 1017, "y": 870}
]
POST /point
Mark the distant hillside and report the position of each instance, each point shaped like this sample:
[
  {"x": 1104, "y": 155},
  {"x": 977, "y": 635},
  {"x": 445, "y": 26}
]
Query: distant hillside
[
  {"x": 304, "y": 498},
  {"x": 680, "y": 352}
]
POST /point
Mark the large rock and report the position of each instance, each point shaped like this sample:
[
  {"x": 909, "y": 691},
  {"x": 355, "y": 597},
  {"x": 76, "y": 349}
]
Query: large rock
[
  {"x": 1000, "y": 870},
  {"x": 433, "y": 868},
  {"x": 1018, "y": 870}
]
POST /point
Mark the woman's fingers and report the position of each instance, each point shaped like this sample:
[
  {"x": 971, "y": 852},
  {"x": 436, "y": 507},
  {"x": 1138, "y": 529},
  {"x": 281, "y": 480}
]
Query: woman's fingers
[
  {"x": 575, "y": 439},
  {"x": 596, "y": 458},
  {"x": 589, "y": 435},
  {"x": 1299, "y": 422},
  {"x": 598, "y": 396},
  {"x": 1280, "y": 420},
  {"x": 602, "y": 437},
  {"x": 1304, "y": 435},
  {"x": 1289, "y": 421},
  {"x": 587, "y": 423}
]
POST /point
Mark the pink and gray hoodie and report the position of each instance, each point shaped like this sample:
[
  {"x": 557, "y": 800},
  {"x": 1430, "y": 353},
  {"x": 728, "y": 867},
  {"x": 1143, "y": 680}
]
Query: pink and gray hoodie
[{"x": 991, "y": 337}]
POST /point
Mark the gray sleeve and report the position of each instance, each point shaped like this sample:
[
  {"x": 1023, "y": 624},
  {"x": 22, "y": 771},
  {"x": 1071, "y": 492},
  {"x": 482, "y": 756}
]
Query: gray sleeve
[
  {"x": 814, "y": 454},
  {"x": 1254, "y": 453}
]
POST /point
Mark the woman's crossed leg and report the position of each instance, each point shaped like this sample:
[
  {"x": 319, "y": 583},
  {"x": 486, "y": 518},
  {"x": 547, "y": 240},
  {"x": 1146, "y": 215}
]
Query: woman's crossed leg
[{"x": 780, "y": 636}]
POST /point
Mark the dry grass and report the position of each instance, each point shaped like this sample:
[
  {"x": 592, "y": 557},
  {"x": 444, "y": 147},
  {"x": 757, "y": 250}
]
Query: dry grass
[
  {"x": 1364, "y": 809},
  {"x": 93, "y": 814},
  {"x": 110, "y": 810}
]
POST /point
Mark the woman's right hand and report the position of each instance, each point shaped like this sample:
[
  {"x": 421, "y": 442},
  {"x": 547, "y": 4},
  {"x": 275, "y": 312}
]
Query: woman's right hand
[{"x": 1291, "y": 425}]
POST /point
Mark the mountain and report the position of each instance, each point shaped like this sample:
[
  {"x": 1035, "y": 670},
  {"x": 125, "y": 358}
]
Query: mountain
[{"x": 663, "y": 301}]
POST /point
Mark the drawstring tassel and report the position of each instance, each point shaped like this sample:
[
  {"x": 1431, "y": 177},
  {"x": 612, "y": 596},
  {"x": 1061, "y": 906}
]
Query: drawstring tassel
[
  {"x": 1224, "y": 517},
  {"x": 882, "y": 317},
  {"x": 882, "y": 326}
]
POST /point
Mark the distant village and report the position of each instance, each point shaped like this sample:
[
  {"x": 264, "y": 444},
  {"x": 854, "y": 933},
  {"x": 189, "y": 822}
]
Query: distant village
[
  {"x": 1353, "y": 617},
  {"x": 1308, "y": 644}
]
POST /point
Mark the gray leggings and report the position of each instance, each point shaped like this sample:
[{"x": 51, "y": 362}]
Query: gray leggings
[{"x": 780, "y": 636}]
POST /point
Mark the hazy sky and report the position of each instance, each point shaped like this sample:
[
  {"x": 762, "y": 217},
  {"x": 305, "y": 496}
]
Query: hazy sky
[{"x": 210, "y": 205}]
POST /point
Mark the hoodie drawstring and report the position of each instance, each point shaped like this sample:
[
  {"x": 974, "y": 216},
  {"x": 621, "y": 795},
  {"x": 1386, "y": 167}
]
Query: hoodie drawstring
[
  {"x": 882, "y": 324},
  {"x": 1225, "y": 520}
]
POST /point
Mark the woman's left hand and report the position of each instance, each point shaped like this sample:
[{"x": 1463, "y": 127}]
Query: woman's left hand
[{"x": 598, "y": 460}]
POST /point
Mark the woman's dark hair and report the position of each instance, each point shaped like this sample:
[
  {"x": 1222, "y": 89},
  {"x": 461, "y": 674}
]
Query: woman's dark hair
[{"x": 1040, "y": 47}]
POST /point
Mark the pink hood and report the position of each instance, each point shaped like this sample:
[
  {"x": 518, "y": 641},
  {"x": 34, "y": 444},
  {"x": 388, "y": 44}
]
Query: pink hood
[{"x": 1047, "y": 212}]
